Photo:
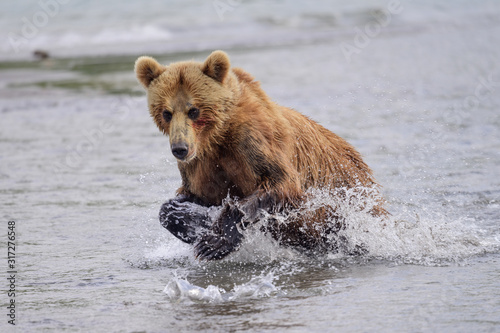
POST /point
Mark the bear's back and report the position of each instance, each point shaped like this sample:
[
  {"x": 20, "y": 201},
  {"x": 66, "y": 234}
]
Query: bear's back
[{"x": 322, "y": 158}]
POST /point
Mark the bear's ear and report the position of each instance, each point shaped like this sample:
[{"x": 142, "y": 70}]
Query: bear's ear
[
  {"x": 147, "y": 69},
  {"x": 217, "y": 66}
]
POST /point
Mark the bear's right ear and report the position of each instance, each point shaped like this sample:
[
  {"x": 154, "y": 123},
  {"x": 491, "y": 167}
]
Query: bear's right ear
[{"x": 147, "y": 69}]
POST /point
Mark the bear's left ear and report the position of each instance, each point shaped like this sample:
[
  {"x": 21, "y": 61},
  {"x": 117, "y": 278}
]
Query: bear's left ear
[
  {"x": 147, "y": 69},
  {"x": 216, "y": 66}
]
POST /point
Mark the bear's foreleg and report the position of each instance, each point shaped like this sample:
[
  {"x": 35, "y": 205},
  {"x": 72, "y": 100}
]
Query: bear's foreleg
[
  {"x": 184, "y": 218},
  {"x": 225, "y": 236}
]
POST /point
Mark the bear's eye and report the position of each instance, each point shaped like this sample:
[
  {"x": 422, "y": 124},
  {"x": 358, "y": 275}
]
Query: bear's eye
[
  {"x": 167, "y": 115},
  {"x": 193, "y": 113}
]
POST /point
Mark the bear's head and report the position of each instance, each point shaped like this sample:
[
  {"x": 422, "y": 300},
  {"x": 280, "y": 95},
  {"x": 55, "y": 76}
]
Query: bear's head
[{"x": 189, "y": 101}]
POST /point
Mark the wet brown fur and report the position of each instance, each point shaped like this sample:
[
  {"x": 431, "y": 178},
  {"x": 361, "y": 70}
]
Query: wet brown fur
[{"x": 246, "y": 145}]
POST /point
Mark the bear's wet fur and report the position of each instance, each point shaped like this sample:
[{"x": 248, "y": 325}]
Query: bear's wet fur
[{"x": 237, "y": 148}]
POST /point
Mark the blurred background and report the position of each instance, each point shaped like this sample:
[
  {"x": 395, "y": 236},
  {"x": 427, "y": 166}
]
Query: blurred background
[{"x": 74, "y": 28}]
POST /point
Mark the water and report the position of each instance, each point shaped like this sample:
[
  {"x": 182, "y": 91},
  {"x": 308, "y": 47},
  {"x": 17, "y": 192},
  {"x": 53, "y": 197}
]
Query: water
[{"x": 84, "y": 170}]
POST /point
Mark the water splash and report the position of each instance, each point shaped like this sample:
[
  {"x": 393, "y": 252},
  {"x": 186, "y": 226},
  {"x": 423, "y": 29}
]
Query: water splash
[
  {"x": 412, "y": 239},
  {"x": 425, "y": 236},
  {"x": 412, "y": 236},
  {"x": 262, "y": 268},
  {"x": 181, "y": 289}
]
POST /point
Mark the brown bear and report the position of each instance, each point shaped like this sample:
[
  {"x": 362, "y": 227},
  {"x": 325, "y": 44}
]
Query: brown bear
[{"x": 237, "y": 149}]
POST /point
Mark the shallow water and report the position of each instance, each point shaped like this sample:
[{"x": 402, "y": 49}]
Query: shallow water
[{"x": 84, "y": 171}]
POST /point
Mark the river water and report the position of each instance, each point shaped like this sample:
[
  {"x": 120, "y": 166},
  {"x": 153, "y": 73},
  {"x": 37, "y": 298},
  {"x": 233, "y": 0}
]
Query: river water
[{"x": 414, "y": 86}]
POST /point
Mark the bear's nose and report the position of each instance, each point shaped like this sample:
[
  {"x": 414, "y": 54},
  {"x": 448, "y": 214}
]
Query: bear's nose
[{"x": 179, "y": 150}]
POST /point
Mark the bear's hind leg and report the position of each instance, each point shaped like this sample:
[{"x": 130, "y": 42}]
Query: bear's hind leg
[{"x": 184, "y": 219}]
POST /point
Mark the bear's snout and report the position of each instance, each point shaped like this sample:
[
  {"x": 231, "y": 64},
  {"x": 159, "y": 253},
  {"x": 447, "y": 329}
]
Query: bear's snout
[{"x": 180, "y": 150}]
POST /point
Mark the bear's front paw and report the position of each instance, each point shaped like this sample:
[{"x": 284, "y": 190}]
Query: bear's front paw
[
  {"x": 184, "y": 219},
  {"x": 212, "y": 247}
]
